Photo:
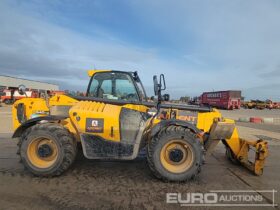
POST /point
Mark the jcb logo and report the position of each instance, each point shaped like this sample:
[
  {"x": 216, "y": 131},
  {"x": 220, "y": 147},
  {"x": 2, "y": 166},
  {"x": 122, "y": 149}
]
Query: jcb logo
[{"x": 94, "y": 123}]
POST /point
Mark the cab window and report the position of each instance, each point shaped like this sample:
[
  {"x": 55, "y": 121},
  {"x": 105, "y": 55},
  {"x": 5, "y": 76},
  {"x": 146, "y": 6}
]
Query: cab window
[
  {"x": 106, "y": 87},
  {"x": 113, "y": 85}
]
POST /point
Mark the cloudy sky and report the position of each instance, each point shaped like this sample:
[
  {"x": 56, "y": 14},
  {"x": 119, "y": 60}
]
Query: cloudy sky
[{"x": 199, "y": 45}]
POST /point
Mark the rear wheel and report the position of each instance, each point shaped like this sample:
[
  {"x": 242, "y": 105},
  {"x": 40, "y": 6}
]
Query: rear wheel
[
  {"x": 175, "y": 154},
  {"x": 47, "y": 149}
]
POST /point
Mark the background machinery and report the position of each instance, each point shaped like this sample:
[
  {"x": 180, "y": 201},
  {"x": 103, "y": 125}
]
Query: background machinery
[{"x": 115, "y": 121}]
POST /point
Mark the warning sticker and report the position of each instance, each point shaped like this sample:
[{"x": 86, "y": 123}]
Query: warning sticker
[{"x": 94, "y": 125}]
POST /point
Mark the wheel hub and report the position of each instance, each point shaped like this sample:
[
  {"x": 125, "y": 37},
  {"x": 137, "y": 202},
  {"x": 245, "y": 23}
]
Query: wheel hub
[
  {"x": 44, "y": 151},
  {"x": 176, "y": 155}
]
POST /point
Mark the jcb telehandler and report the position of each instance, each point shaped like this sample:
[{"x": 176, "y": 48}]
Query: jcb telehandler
[{"x": 114, "y": 121}]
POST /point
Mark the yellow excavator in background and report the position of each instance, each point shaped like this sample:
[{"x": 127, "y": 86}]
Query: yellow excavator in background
[{"x": 115, "y": 120}]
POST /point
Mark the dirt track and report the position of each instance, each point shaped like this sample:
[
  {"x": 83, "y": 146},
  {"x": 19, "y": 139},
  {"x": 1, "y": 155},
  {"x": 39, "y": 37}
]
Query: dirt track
[{"x": 122, "y": 185}]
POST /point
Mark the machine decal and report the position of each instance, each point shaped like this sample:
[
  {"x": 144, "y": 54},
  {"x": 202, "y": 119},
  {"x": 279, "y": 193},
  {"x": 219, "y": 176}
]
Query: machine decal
[
  {"x": 190, "y": 117},
  {"x": 94, "y": 125}
]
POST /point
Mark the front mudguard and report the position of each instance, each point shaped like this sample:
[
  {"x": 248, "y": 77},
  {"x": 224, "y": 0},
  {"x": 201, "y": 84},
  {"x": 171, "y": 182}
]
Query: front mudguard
[{"x": 165, "y": 123}]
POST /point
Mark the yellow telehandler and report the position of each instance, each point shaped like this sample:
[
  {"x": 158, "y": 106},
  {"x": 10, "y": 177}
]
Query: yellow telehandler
[{"x": 115, "y": 120}]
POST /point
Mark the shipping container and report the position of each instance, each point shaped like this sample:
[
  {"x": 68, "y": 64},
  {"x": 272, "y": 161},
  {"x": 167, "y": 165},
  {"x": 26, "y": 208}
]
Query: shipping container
[{"x": 230, "y": 99}]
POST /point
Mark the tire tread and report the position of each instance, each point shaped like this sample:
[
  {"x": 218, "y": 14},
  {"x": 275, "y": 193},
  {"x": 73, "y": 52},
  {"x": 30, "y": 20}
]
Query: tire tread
[
  {"x": 67, "y": 144},
  {"x": 186, "y": 133}
]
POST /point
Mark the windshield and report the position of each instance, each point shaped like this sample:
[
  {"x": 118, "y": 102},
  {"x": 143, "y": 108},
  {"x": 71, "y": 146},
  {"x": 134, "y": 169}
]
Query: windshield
[
  {"x": 142, "y": 93},
  {"x": 139, "y": 86},
  {"x": 113, "y": 85}
]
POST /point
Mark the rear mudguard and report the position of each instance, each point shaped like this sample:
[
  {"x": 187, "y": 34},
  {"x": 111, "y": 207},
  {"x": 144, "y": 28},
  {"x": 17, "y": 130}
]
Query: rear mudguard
[{"x": 31, "y": 122}]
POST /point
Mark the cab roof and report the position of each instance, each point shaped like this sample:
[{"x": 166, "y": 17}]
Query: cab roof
[{"x": 92, "y": 72}]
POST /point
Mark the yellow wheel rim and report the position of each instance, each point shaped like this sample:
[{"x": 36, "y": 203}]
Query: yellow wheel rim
[
  {"x": 177, "y": 156},
  {"x": 42, "y": 152}
]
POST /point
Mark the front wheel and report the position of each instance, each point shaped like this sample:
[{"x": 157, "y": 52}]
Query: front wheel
[
  {"x": 47, "y": 149},
  {"x": 175, "y": 154}
]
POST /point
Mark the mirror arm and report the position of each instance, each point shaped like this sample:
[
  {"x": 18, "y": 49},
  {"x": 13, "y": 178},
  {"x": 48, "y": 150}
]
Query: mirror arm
[{"x": 159, "y": 98}]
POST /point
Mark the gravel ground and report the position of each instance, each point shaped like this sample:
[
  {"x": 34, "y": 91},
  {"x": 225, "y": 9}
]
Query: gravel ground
[
  {"x": 236, "y": 114},
  {"x": 267, "y": 127},
  {"x": 125, "y": 184}
]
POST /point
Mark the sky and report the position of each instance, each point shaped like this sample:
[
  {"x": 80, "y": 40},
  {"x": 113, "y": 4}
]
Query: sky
[{"x": 200, "y": 45}]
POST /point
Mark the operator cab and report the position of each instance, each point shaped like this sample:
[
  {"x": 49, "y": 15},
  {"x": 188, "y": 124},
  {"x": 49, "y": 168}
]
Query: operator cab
[{"x": 116, "y": 85}]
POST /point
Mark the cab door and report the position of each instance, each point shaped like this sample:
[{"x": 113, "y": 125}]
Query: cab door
[
  {"x": 113, "y": 129},
  {"x": 120, "y": 86}
]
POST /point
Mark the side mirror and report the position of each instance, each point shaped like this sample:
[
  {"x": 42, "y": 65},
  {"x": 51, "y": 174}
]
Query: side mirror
[
  {"x": 156, "y": 86},
  {"x": 162, "y": 85},
  {"x": 166, "y": 97},
  {"x": 159, "y": 86},
  {"x": 21, "y": 89}
]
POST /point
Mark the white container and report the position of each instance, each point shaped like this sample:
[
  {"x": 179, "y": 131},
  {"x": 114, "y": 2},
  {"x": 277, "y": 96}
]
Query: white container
[{"x": 268, "y": 120}]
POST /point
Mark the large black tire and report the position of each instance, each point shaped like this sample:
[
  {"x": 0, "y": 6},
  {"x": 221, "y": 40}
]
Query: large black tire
[
  {"x": 64, "y": 143},
  {"x": 157, "y": 145}
]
